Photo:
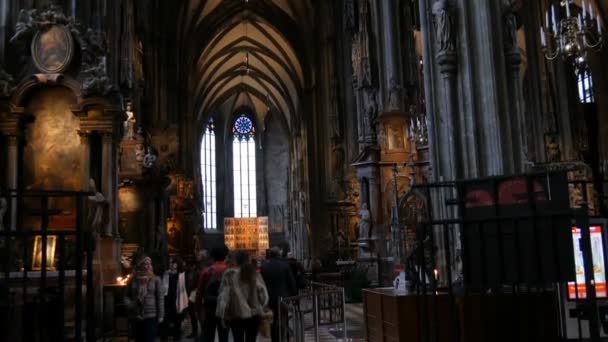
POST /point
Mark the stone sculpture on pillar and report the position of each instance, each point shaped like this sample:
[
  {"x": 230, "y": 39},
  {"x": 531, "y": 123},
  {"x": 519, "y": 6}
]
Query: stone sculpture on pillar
[
  {"x": 364, "y": 224},
  {"x": 394, "y": 95},
  {"x": 98, "y": 210},
  {"x": 129, "y": 125},
  {"x": 364, "y": 231},
  {"x": 444, "y": 26}
]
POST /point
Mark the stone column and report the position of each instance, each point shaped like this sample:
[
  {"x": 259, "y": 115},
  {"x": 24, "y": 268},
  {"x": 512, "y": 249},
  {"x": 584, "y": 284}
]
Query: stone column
[
  {"x": 513, "y": 61},
  {"x": 392, "y": 80},
  {"x": 12, "y": 180},
  {"x": 446, "y": 125},
  {"x": 107, "y": 177},
  {"x": 85, "y": 153}
]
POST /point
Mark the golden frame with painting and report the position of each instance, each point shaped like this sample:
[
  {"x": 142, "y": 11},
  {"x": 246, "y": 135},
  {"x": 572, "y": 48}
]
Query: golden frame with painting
[{"x": 51, "y": 242}]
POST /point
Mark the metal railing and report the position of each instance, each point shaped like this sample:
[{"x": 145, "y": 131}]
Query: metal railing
[
  {"x": 43, "y": 294},
  {"x": 495, "y": 261},
  {"x": 319, "y": 305}
]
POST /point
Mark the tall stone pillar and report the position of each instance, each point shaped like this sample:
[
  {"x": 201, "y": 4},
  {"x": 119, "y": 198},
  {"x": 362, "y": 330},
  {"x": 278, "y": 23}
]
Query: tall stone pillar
[
  {"x": 107, "y": 177},
  {"x": 513, "y": 61},
  {"x": 85, "y": 152},
  {"x": 392, "y": 76},
  {"x": 12, "y": 180}
]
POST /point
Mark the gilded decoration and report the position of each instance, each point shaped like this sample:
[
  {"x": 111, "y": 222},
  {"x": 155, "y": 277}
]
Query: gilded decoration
[{"x": 52, "y": 49}]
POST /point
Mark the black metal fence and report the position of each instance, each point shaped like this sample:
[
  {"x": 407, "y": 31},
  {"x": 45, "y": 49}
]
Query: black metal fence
[
  {"x": 319, "y": 305},
  {"x": 519, "y": 258},
  {"x": 46, "y": 278}
]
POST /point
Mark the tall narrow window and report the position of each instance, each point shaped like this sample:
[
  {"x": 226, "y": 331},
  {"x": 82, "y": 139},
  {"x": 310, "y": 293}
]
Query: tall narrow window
[
  {"x": 243, "y": 165},
  {"x": 208, "y": 176},
  {"x": 585, "y": 86}
]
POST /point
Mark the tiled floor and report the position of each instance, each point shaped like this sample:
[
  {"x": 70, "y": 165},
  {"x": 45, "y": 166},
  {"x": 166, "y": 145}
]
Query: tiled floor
[{"x": 355, "y": 329}]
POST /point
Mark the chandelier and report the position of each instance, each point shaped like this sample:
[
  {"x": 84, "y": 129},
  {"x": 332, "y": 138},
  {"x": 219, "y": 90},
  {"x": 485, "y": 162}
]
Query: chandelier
[{"x": 571, "y": 37}]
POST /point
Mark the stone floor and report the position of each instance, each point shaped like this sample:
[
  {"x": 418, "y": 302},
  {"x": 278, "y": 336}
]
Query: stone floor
[{"x": 355, "y": 329}]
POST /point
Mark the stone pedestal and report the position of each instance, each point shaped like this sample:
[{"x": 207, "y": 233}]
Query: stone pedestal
[
  {"x": 368, "y": 259},
  {"x": 107, "y": 256}
]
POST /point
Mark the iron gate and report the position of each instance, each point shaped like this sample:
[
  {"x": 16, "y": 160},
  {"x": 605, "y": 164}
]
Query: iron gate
[
  {"x": 495, "y": 259},
  {"x": 46, "y": 278}
]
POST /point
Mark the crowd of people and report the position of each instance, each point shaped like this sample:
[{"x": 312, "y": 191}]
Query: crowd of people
[{"x": 220, "y": 293}]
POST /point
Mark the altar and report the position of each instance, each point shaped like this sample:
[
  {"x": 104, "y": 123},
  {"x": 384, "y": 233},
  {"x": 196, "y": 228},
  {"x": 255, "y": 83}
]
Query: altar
[{"x": 248, "y": 234}]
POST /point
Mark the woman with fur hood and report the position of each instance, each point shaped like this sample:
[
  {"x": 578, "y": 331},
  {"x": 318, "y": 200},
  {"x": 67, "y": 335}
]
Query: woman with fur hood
[{"x": 242, "y": 299}]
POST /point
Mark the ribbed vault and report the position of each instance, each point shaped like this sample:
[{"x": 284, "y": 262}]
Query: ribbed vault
[{"x": 241, "y": 53}]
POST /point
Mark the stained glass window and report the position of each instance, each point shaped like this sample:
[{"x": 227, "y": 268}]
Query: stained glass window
[
  {"x": 243, "y": 128},
  {"x": 585, "y": 86},
  {"x": 243, "y": 165},
  {"x": 208, "y": 176}
]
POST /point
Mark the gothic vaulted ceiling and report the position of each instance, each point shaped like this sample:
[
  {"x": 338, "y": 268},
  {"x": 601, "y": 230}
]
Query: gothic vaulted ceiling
[{"x": 245, "y": 53}]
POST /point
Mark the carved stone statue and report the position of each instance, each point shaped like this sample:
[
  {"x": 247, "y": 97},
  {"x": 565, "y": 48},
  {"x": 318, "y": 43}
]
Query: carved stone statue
[
  {"x": 509, "y": 25},
  {"x": 96, "y": 79},
  {"x": 370, "y": 114},
  {"x": 7, "y": 83},
  {"x": 356, "y": 60},
  {"x": 149, "y": 158},
  {"x": 140, "y": 153},
  {"x": 364, "y": 223},
  {"x": 3, "y": 207},
  {"x": 350, "y": 15},
  {"x": 394, "y": 95},
  {"x": 444, "y": 26},
  {"x": 553, "y": 151},
  {"x": 25, "y": 24},
  {"x": 97, "y": 217},
  {"x": 130, "y": 122}
]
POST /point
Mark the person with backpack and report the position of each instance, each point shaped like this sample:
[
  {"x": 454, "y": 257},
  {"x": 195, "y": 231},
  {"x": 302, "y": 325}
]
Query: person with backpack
[{"x": 207, "y": 292}]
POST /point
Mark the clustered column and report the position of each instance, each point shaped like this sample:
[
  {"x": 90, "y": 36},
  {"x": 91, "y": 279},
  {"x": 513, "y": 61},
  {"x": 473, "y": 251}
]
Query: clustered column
[{"x": 107, "y": 177}]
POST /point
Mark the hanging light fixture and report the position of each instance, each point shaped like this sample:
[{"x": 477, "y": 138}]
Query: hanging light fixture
[{"x": 571, "y": 37}]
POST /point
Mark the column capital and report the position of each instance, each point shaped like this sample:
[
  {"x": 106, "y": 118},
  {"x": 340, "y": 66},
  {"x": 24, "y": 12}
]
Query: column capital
[
  {"x": 448, "y": 62},
  {"x": 10, "y": 126},
  {"x": 13, "y": 139},
  {"x": 106, "y": 137},
  {"x": 84, "y": 134}
]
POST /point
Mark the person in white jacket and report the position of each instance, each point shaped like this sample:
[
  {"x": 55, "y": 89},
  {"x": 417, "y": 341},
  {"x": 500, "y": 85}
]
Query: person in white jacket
[
  {"x": 176, "y": 298},
  {"x": 242, "y": 299}
]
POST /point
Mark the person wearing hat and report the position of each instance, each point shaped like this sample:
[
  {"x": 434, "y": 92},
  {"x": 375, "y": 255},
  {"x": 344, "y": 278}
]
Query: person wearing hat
[{"x": 145, "y": 301}]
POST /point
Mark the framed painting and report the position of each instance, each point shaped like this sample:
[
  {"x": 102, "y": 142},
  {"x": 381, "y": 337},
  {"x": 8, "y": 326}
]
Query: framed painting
[
  {"x": 52, "y": 49},
  {"x": 395, "y": 137},
  {"x": 51, "y": 242}
]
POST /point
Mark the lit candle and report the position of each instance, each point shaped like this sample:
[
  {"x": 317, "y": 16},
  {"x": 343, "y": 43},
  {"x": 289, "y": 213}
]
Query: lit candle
[
  {"x": 435, "y": 271},
  {"x": 599, "y": 25},
  {"x": 567, "y": 9},
  {"x": 547, "y": 20}
]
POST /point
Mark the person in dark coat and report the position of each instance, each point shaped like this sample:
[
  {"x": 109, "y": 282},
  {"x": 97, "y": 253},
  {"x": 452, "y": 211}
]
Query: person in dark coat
[{"x": 280, "y": 284}]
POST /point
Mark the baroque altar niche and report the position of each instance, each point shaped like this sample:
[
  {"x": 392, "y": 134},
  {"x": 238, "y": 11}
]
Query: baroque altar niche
[{"x": 52, "y": 156}]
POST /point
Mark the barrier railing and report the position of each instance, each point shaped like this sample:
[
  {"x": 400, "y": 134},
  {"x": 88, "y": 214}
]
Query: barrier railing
[{"x": 319, "y": 305}]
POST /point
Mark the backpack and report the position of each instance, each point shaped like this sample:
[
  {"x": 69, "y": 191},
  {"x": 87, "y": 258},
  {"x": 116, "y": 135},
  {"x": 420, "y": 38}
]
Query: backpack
[{"x": 212, "y": 290}]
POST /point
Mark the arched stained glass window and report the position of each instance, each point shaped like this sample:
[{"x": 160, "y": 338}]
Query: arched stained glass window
[
  {"x": 208, "y": 176},
  {"x": 243, "y": 165},
  {"x": 585, "y": 86}
]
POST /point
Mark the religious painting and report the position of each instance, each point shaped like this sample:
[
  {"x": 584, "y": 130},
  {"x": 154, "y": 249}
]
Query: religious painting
[
  {"x": 52, "y": 49},
  {"x": 395, "y": 139},
  {"x": 51, "y": 242}
]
